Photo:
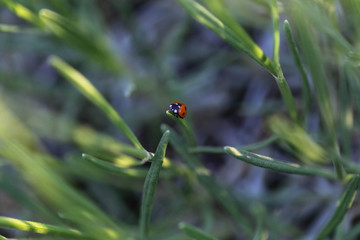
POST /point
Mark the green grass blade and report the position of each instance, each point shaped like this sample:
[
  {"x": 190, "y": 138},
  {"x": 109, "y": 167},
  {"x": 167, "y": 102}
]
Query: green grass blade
[
  {"x": 93, "y": 141},
  {"x": 94, "y": 96},
  {"x": 219, "y": 193},
  {"x": 346, "y": 118},
  {"x": 324, "y": 20},
  {"x": 88, "y": 41},
  {"x": 286, "y": 94},
  {"x": 304, "y": 79},
  {"x": 226, "y": 27},
  {"x": 240, "y": 40},
  {"x": 352, "y": 77},
  {"x": 220, "y": 150},
  {"x": 195, "y": 232},
  {"x": 22, "y": 12},
  {"x": 305, "y": 148},
  {"x": 314, "y": 60},
  {"x": 7, "y": 28},
  {"x": 276, "y": 35},
  {"x": 344, "y": 205},
  {"x": 277, "y": 165},
  {"x": 130, "y": 172},
  {"x": 261, "y": 232},
  {"x": 312, "y": 56},
  {"x": 52, "y": 188},
  {"x": 41, "y": 228},
  {"x": 185, "y": 127},
  {"x": 150, "y": 185},
  {"x": 279, "y": 76}
]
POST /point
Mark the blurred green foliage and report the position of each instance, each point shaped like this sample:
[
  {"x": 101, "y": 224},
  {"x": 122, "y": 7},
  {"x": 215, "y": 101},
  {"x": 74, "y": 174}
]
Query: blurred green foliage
[{"x": 72, "y": 169}]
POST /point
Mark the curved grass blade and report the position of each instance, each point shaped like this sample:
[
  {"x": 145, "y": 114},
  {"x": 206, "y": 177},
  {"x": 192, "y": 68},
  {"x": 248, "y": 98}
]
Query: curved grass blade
[
  {"x": 222, "y": 196},
  {"x": 131, "y": 172},
  {"x": 299, "y": 141},
  {"x": 323, "y": 20},
  {"x": 276, "y": 35},
  {"x": 41, "y": 228},
  {"x": 344, "y": 205},
  {"x": 276, "y": 165},
  {"x": 239, "y": 39},
  {"x": 279, "y": 76},
  {"x": 90, "y": 140},
  {"x": 186, "y": 128},
  {"x": 352, "y": 77},
  {"x": 150, "y": 185},
  {"x": 296, "y": 56},
  {"x": 195, "y": 232},
  {"x": 220, "y": 150},
  {"x": 315, "y": 63},
  {"x": 22, "y": 12},
  {"x": 40, "y": 173},
  {"x": 7, "y": 28},
  {"x": 94, "y": 96},
  {"x": 261, "y": 232},
  {"x": 90, "y": 43}
]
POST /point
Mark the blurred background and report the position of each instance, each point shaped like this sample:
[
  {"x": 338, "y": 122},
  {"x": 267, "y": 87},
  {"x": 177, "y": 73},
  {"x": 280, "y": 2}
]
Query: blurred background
[{"x": 143, "y": 55}]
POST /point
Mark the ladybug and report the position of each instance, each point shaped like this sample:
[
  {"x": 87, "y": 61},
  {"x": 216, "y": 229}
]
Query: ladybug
[{"x": 178, "y": 109}]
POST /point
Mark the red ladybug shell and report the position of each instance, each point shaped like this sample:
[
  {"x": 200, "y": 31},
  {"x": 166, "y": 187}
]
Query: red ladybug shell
[{"x": 178, "y": 109}]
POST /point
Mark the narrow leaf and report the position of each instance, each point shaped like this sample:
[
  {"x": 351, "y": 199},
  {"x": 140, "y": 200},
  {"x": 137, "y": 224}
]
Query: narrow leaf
[
  {"x": 220, "y": 150},
  {"x": 344, "y": 205},
  {"x": 277, "y": 165},
  {"x": 221, "y": 194},
  {"x": 279, "y": 76},
  {"x": 150, "y": 185},
  {"x": 300, "y": 142},
  {"x": 276, "y": 35},
  {"x": 94, "y": 96},
  {"x": 22, "y": 12},
  {"x": 185, "y": 127},
  {"x": 241, "y": 41},
  {"x": 89, "y": 42},
  {"x": 41, "y": 228},
  {"x": 131, "y": 172},
  {"x": 304, "y": 79},
  {"x": 315, "y": 63},
  {"x": 195, "y": 232}
]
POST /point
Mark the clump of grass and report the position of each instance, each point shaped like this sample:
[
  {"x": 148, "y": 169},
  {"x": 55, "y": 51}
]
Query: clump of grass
[{"x": 70, "y": 214}]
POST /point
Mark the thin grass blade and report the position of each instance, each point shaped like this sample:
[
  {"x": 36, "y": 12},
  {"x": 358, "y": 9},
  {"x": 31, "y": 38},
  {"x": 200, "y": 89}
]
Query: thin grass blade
[
  {"x": 352, "y": 76},
  {"x": 185, "y": 127},
  {"x": 58, "y": 194},
  {"x": 277, "y": 165},
  {"x": 315, "y": 62},
  {"x": 92, "y": 44},
  {"x": 304, "y": 79},
  {"x": 94, "y": 96},
  {"x": 344, "y": 205},
  {"x": 130, "y": 172},
  {"x": 150, "y": 184},
  {"x": 22, "y": 12},
  {"x": 304, "y": 147},
  {"x": 221, "y": 194},
  {"x": 279, "y": 76},
  {"x": 41, "y": 228},
  {"x": 276, "y": 35},
  {"x": 240, "y": 39},
  {"x": 195, "y": 232},
  {"x": 220, "y": 150}
]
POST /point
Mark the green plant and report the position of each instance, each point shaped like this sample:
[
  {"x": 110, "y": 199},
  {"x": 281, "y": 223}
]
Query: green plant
[{"x": 326, "y": 59}]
